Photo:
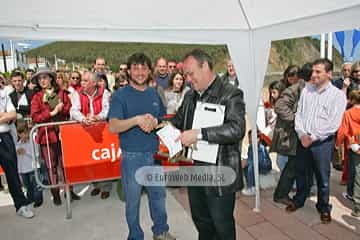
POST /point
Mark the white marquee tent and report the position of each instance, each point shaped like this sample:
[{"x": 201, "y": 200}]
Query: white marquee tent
[{"x": 246, "y": 26}]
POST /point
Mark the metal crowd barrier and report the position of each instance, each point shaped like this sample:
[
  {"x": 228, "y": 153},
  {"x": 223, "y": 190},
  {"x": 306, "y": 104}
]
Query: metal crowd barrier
[
  {"x": 38, "y": 163},
  {"x": 65, "y": 183}
]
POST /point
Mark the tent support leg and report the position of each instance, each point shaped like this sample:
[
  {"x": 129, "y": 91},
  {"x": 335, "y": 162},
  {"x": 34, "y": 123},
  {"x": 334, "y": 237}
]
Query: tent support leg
[{"x": 68, "y": 202}]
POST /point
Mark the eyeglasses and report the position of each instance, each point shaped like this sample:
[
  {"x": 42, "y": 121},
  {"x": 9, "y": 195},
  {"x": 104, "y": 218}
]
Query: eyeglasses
[
  {"x": 173, "y": 67},
  {"x": 75, "y": 78},
  {"x": 122, "y": 69}
]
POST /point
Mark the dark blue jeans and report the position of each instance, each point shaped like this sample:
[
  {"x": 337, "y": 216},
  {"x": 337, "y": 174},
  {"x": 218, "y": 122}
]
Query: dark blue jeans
[
  {"x": 317, "y": 157},
  {"x": 351, "y": 180},
  {"x": 131, "y": 162},
  {"x": 33, "y": 191}
]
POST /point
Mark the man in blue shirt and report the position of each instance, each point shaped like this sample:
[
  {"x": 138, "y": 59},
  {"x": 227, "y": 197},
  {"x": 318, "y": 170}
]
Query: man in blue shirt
[{"x": 133, "y": 114}]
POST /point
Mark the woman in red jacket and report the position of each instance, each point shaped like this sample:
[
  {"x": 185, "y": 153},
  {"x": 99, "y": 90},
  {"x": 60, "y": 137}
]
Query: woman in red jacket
[{"x": 50, "y": 104}]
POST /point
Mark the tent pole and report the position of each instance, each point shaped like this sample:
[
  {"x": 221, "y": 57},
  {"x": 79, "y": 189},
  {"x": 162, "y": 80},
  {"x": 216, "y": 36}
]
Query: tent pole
[
  {"x": 330, "y": 46},
  {"x": 322, "y": 45},
  {"x": 254, "y": 129}
]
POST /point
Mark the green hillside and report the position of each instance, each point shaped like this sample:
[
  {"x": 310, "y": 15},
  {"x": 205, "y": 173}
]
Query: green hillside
[
  {"x": 115, "y": 53},
  {"x": 282, "y": 53}
]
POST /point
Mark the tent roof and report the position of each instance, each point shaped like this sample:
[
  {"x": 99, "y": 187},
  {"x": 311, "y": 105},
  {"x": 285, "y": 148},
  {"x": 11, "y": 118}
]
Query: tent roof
[{"x": 161, "y": 14}]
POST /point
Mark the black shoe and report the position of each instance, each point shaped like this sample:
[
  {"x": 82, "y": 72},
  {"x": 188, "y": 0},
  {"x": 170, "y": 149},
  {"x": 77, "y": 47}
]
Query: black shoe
[
  {"x": 338, "y": 167},
  {"x": 38, "y": 204},
  {"x": 286, "y": 200},
  {"x": 95, "y": 191},
  {"x": 56, "y": 197},
  {"x": 105, "y": 195},
  {"x": 325, "y": 218},
  {"x": 74, "y": 196}
]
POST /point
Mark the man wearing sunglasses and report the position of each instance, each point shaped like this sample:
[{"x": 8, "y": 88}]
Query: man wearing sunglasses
[{"x": 171, "y": 66}]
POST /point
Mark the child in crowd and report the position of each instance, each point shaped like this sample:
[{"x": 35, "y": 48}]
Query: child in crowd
[
  {"x": 350, "y": 130},
  {"x": 26, "y": 165},
  {"x": 265, "y": 165}
]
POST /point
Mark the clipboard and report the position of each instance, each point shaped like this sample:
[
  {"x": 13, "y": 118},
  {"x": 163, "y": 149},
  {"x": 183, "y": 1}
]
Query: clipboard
[{"x": 206, "y": 115}]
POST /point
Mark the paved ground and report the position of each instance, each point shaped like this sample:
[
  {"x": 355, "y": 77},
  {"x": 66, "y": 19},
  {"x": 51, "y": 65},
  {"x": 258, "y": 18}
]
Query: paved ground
[
  {"x": 93, "y": 219},
  {"x": 273, "y": 223},
  {"x": 96, "y": 219}
]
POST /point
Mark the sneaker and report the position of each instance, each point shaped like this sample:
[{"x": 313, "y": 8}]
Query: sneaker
[
  {"x": 347, "y": 196},
  {"x": 164, "y": 236},
  {"x": 355, "y": 213},
  {"x": 25, "y": 212},
  {"x": 249, "y": 191}
]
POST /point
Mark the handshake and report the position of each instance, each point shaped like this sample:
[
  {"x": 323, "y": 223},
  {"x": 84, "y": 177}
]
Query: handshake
[{"x": 146, "y": 122}]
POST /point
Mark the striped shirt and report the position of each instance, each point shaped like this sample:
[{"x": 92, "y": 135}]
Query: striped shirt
[{"x": 319, "y": 114}]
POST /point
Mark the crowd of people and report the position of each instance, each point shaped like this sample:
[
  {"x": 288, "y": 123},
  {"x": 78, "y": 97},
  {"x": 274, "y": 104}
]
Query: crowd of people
[
  {"x": 311, "y": 120},
  {"x": 308, "y": 118}
]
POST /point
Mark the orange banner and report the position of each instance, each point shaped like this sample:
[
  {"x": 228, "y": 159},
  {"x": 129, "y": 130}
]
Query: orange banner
[
  {"x": 90, "y": 153},
  {"x": 1, "y": 171}
]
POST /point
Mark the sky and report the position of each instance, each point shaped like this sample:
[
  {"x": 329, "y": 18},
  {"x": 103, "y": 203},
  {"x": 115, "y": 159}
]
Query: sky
[{"x": 348, "y": 44}]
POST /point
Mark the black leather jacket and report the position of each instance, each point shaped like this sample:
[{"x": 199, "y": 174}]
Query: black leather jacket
[
  {"x": 227, "y": 135},
  {"x": 24, "y": 110}
]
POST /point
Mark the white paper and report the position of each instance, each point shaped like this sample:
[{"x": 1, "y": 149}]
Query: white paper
[
  {"x": 207, "y": 115},
  {"x": 168, "y": 135}
]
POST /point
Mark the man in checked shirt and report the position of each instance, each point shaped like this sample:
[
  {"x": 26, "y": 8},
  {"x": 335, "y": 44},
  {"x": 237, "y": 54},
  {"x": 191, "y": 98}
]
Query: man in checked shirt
[{"x": 318, "y": 117}]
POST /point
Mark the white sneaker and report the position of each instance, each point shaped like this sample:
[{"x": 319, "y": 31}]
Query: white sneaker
[
  {"x": 249, "y": 191},
  {"x": 347, "y": 196},
  {"x": 25, "y": 212}
]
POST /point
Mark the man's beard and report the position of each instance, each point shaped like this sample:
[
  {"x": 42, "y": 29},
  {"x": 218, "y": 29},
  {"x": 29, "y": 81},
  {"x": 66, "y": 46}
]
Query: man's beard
[{"x": 139, "y": 83}]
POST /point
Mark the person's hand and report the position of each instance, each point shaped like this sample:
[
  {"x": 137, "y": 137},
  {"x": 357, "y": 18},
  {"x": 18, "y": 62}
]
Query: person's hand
[
  {"x": 189, "y": 137},
  {"x": 88, "y": 120},
  {"x": 306, "y": 141},
  {"x": 346, "y": 82},
  {"x": 96, "y": 118},
  {"x": 146, "y": 122},
  {"x": 55, "y": 111},
  {"x": 59, "y": 106},
  {"x": 21, "y": 151}
]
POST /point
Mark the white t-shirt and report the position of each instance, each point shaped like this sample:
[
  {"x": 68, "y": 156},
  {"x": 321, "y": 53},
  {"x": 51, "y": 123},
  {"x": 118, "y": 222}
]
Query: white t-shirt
[{"x": 5, "y": 106}]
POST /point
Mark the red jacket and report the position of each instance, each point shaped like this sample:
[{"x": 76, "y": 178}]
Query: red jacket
[
  {"x": 350, "y": 126},
  {"x": 40, "y": 113},
  {"x": 97, "y": 102}
]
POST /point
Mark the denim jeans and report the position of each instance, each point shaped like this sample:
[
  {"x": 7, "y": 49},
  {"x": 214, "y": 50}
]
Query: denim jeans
[
  {"x": 281, "y": 161},
  {"x": 351, "y": 180},
  {"x": 317, "y": 157},
  {"x": 33, "y": 191},
  {"x": 132, "y": 161}
]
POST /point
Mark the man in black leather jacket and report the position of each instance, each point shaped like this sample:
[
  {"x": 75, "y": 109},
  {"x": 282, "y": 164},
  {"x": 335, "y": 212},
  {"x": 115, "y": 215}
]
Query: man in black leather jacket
[{"x": 212, "y": 206}]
